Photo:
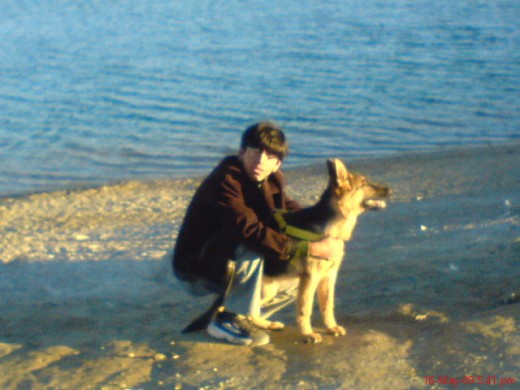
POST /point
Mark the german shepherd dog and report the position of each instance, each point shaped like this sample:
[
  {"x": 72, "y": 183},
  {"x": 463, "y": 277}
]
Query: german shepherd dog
[{"x": 347, "y": 196}]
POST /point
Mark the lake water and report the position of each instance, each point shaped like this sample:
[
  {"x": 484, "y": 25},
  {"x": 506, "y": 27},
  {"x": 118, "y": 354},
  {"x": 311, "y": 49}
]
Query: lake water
[{"x": 94, "y": 91}]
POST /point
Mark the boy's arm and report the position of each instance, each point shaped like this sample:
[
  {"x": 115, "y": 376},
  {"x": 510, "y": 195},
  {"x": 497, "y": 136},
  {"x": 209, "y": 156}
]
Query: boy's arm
[
  {"x": 244, "y": 224},
  {"x": 291, "y": 204}
]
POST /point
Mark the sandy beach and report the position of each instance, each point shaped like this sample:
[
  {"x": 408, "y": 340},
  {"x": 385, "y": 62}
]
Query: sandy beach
[{"x": 429, "y": 290}]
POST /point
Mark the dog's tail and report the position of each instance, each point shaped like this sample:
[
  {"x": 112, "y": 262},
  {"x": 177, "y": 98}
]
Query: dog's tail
[{"x": 202, "y": 321}]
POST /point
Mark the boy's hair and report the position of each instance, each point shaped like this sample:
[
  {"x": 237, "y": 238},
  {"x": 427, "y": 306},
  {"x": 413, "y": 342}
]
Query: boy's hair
[{"x": 266, "y": 136}]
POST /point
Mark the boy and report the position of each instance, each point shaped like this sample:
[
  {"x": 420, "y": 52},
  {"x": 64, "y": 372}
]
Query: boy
[{"x": 228, "y": 233}]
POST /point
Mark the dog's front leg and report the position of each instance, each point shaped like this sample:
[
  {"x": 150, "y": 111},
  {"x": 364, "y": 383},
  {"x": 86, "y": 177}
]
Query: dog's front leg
[
  {"x": 326, "y": 302},
  {"x": 306, "y": 290}
]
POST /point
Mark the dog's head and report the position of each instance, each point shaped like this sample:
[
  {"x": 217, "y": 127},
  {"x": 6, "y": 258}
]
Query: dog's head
[{"x": 352, "y": 193}]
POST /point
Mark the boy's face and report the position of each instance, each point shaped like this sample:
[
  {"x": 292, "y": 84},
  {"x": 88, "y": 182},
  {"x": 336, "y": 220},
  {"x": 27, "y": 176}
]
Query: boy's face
[{"x": 258, "y": 163}]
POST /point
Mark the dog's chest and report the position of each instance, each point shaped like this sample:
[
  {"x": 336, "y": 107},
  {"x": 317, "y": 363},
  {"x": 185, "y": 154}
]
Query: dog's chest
[{"x": 343, "y": 228}]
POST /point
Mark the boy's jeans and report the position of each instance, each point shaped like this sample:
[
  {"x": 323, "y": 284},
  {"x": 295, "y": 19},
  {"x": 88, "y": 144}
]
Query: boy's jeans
[{"x": 246, "y": 293}]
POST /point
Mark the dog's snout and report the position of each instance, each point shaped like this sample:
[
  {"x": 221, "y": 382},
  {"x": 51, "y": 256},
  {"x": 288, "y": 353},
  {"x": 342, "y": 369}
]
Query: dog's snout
[{"x": 383, "y": 191}]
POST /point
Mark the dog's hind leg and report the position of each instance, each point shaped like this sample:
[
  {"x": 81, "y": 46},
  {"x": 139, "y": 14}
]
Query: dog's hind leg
[
  {"x": 305, "y": 303},
  {"x": 326, "y": 302},
  {"x": 270, "y": 289}
]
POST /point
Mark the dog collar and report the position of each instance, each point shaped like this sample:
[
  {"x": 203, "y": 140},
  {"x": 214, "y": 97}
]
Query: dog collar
[{"x": 293, "y": 231}]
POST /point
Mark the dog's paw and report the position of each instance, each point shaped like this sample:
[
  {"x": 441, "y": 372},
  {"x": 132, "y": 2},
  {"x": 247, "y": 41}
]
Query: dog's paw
[
  {"x": 275, "y": 325},
  {"x": 311, "y": 338},
  {"x": 337, "y": 331},
  {"x": 262, "y": 323}
]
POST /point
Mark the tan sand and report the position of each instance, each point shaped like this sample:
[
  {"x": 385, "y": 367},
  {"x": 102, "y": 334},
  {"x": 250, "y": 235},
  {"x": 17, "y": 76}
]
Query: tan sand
[{"x": 88, "y": 300}]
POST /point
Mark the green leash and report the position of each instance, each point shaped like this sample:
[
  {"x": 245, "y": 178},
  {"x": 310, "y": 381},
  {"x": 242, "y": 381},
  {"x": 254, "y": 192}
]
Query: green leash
[{"x": 293, "y": 231}]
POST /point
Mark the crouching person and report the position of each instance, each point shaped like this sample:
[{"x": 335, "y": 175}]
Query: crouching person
[{"x": 228, "y": 233}]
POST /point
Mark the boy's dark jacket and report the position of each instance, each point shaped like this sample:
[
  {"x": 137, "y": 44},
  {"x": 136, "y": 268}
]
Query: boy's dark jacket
[{"x": 229, "y": 209}]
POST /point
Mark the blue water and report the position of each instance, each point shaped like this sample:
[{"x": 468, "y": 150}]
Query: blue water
[{"x": 93, "y": 91}]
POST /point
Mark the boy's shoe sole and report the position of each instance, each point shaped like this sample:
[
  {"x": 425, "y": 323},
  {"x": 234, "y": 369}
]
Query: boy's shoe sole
[{"x": 232, "y": 333}]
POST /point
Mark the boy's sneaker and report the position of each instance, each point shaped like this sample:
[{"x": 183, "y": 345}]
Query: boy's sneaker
[{"x": 236, "y": 329}]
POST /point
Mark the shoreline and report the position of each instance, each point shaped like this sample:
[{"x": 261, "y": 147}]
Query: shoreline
[{"x": 291, "y": 169}]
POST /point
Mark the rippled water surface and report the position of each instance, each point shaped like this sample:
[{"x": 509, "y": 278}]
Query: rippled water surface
[{"x": 93, "y": 91}]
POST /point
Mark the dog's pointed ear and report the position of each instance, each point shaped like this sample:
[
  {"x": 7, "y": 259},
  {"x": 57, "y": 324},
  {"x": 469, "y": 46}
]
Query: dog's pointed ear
[{"x": 338, "y": 174}]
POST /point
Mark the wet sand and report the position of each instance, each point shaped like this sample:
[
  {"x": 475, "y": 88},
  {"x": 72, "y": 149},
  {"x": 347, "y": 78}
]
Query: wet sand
[{"x": 88, "y": 300}]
